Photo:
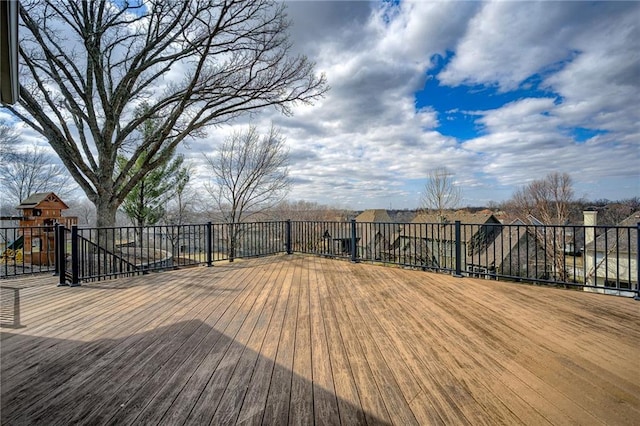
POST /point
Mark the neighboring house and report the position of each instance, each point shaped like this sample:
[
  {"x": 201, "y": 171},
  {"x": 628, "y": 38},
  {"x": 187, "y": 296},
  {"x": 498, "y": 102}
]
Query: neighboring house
[
  {"x": 376, "y": 232},
  {"x": 611, "y": 259},
  {"x": 429, "y": 240},
  {"x": 514, "y": 252},
  {"x": 567, "y": 236},
  {"x": 415, "y": 245}
]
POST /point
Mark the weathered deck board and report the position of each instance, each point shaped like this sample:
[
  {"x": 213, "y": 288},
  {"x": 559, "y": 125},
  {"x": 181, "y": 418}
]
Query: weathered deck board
[{"x": 290, "y": 340}]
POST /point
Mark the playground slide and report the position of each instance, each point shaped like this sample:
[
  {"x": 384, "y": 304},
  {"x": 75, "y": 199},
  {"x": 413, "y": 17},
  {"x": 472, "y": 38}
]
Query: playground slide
[{"x": 17, "y": 244}]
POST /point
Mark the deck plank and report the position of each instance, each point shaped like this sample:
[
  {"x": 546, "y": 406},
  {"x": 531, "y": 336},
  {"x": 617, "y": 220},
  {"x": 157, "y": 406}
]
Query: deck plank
[
  {"x": 125, "y": 406},
  {"x": 129, "y": 369},
  {"x": 301, "y": 405},
  {"x": 279, "y": 397},
  {"x": 350, "y": 407},
  {"x": 219, "y": 374},
  {"x": 325, "y": 403},
  {"x": 371, "y": 397},
  {"x": 65, "y": 361},
  {"x": 302, "y": 339},
  {"x": 253, "y": 406},
  {"x": 395, "y": 399},
  {"x": 234, "y": 395}
]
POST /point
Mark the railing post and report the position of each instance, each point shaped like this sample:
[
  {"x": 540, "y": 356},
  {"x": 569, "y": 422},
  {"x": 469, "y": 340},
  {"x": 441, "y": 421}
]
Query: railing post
[
  {"x": 61, "y": 258},
  {"x": 209, "y": 244},
  {"x": 354, "y": 246},
  {"x": 288, "y": 236},
  {"x": 56, "y": 250},
  {"x": 75, "y": 264},
  {"x": 458, "y": 273},
  {"x": 637, "y": 297},
  {"x": 232, "y": 241}
]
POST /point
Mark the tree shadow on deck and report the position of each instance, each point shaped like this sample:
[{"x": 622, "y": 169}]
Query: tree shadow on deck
[{"x": 185, "y": 372}]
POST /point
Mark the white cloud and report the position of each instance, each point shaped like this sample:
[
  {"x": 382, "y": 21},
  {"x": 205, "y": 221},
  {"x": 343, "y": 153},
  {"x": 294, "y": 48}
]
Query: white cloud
[
  {"x": 367, "y": 145},
  {"x": 507, "y": 42},
  {"x": 523, "y": 142}
]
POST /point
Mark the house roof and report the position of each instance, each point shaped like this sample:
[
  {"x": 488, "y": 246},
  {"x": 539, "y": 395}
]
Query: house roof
[
  {"x": 374, "y": 215},
  {"x": 451, "y": 217},
  {"x": 383, "y": 225},
  {"x": 500, "y": 248},
  {"x": 34, "y": 200},
  {"x": 632, "y": 220},
  {"x": 429, "y": 225},
  {"x": 620, "y": 238}
]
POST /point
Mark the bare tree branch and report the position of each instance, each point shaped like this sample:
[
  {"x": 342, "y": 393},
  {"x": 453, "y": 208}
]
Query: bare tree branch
[
  {"x": 89, "y": 65},
  {"x": 440, "y": 192},
  {"x": 250, "y": 175},
  {"x": 548, "y": 200},
  {"x": 31, "y": 172}
]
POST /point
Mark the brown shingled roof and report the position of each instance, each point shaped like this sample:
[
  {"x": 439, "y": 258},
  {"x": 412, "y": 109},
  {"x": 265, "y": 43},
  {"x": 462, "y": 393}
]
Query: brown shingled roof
[
  {"x": 620, "y": 239},
  {"x": 34, "y": 199},
  {"x": 374, "y": 215},
  {"x": 451, "y": 217}
]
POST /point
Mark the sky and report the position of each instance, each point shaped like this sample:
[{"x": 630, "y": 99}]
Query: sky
[{"x": 500, "y": 93}]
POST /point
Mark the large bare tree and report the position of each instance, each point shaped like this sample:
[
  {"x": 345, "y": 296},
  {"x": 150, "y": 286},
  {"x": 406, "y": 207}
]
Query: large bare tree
[
  {"x": 440, "y": 192},
  {"x": 88, "y": 65},
  {"x": 250, "y": 175},
  {"x": 548, "y": 200}
]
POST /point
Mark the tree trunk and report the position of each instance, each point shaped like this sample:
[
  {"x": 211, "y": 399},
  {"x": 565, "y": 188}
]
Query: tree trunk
[
  {"x": 105, "y": 213},
  {"x": 106, "y": 218}
]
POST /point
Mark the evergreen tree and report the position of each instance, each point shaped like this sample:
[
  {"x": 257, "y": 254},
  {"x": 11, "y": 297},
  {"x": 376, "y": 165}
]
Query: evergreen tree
[{"x": 145, "y": 203}]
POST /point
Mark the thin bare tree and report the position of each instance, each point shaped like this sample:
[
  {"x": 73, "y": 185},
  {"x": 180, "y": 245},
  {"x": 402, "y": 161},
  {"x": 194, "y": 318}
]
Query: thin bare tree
[
  {"x": 250, "y": 175},
  {"x": 89, "y": 65},
  {"x": 179, "y": 210},
  {"x": 31, "y": 172},
  {"x": 440, "y": 192},
  {"x": 84, "y": 210}
]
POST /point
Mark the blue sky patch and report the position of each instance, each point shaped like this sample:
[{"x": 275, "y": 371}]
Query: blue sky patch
[
  {"x": 456, "y": 105},
  {"x": 581, "y": 134}
]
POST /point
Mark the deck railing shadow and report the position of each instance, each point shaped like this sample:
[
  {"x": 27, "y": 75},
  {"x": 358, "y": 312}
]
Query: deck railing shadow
[{"x": 10, "y": 307}]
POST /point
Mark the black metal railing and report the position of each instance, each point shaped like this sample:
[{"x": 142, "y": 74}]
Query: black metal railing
[
  {"x": 26, "y": 250},
  {"x": 600, "y": 258},
  {"x": 103, "y": 253}
]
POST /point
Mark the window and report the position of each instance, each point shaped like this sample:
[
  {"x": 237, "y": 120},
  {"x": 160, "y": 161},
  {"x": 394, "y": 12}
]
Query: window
[{"x": 36, "y": 245}]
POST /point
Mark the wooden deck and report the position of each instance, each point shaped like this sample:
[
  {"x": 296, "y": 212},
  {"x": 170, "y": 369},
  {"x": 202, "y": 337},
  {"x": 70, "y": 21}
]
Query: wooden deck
[{"x": 302, "y": 340}]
